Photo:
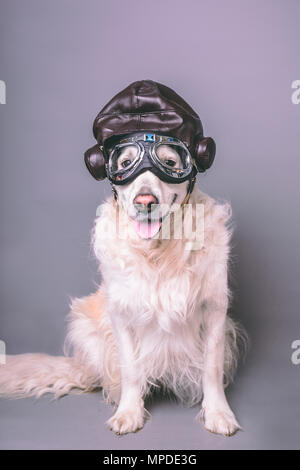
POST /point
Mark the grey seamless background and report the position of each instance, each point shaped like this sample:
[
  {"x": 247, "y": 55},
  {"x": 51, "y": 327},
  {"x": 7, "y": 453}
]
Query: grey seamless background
[{"x": 234, "y": 62}]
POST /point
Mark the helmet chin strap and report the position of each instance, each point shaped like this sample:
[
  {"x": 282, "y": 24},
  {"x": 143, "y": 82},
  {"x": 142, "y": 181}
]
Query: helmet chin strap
[
  {"x": 191, "y": 184},
  {"x": 115, "y": 194},
  {"x": 189, "y": 192}
]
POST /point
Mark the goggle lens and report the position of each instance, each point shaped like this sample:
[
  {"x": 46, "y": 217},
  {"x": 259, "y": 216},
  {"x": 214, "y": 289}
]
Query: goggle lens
[
  {"x": 123, "y": 157},
  {"x": 172, "y": 156}
]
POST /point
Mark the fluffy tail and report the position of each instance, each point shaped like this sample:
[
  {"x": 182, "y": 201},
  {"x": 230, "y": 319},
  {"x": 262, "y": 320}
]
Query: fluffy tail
[{"x": 27, "y": 375}]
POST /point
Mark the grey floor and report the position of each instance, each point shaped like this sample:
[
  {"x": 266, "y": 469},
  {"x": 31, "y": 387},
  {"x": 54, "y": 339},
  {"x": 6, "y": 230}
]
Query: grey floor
[{"x": 268, "y": 412}]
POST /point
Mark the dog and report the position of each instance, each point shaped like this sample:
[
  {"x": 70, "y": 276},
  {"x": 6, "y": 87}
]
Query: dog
[{"x": 159, "y": 317}]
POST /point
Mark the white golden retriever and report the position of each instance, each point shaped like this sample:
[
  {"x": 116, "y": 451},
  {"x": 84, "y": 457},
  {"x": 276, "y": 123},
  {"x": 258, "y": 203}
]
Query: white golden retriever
[{"x": 159, "y": 317}]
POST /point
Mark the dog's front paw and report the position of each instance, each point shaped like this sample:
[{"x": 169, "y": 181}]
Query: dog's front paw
[
  {"x": 125, "y": 421},
  {"x": 219, "y": 421}
]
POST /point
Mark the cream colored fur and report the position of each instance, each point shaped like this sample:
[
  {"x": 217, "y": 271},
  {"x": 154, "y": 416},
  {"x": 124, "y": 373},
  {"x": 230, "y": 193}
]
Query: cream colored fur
[{"x": 159, "y": 318}]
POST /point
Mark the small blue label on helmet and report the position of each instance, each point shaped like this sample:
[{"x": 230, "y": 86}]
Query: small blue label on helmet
[{"x": 150, "y": 138}]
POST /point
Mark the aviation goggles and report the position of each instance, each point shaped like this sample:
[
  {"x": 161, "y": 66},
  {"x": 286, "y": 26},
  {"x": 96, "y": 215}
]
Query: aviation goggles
[{"x": 167, "y": 157}]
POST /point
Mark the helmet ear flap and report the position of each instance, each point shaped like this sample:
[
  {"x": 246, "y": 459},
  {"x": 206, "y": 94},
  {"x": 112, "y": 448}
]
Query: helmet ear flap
[
  {"x": 205, "y": 151},
  {"x": 95, "y": 162}
]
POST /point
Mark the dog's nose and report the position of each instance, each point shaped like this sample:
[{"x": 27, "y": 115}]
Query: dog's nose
[{"x": 145, "y": 201}]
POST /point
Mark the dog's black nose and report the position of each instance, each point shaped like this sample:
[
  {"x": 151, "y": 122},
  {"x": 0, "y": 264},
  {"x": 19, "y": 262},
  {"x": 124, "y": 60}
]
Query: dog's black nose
[{"x": 144, "y": 201}]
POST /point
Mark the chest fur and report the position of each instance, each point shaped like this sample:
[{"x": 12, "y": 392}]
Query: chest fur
[{"x": 150, "y": 297}]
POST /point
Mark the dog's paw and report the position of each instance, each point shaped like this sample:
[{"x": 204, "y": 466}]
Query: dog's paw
[
  {"x": 219, "y": 421},
  {"x": 125, "y": 421}
]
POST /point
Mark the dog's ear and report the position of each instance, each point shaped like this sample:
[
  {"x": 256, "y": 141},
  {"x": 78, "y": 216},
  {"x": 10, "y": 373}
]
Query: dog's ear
[
  {"x": 205, "y": 151},
  {"x": 95, "y": 162}
]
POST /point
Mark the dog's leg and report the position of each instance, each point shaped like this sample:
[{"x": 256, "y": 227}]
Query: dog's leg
[
  {"x": 216, "y": 413},
  {"x": 129, "y": 416}
]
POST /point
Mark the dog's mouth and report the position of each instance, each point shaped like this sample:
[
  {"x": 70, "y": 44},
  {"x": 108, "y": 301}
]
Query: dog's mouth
[
  {"x": 148, "y": 228},
  {"x": 148, "y": 224}
]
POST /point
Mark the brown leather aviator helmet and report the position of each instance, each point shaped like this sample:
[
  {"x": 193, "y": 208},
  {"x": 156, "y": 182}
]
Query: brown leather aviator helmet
[{"x": 148, "y": 106}]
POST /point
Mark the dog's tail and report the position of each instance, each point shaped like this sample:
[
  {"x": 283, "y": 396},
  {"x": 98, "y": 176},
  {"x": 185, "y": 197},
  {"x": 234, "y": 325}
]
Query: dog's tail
[
  {"x": 27, "y": 375},
  {"x": 90, "y": 361}
]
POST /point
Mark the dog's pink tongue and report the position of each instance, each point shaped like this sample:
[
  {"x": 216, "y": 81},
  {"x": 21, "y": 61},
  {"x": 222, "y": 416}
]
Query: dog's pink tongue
[{"x": 147, "y": 229}]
